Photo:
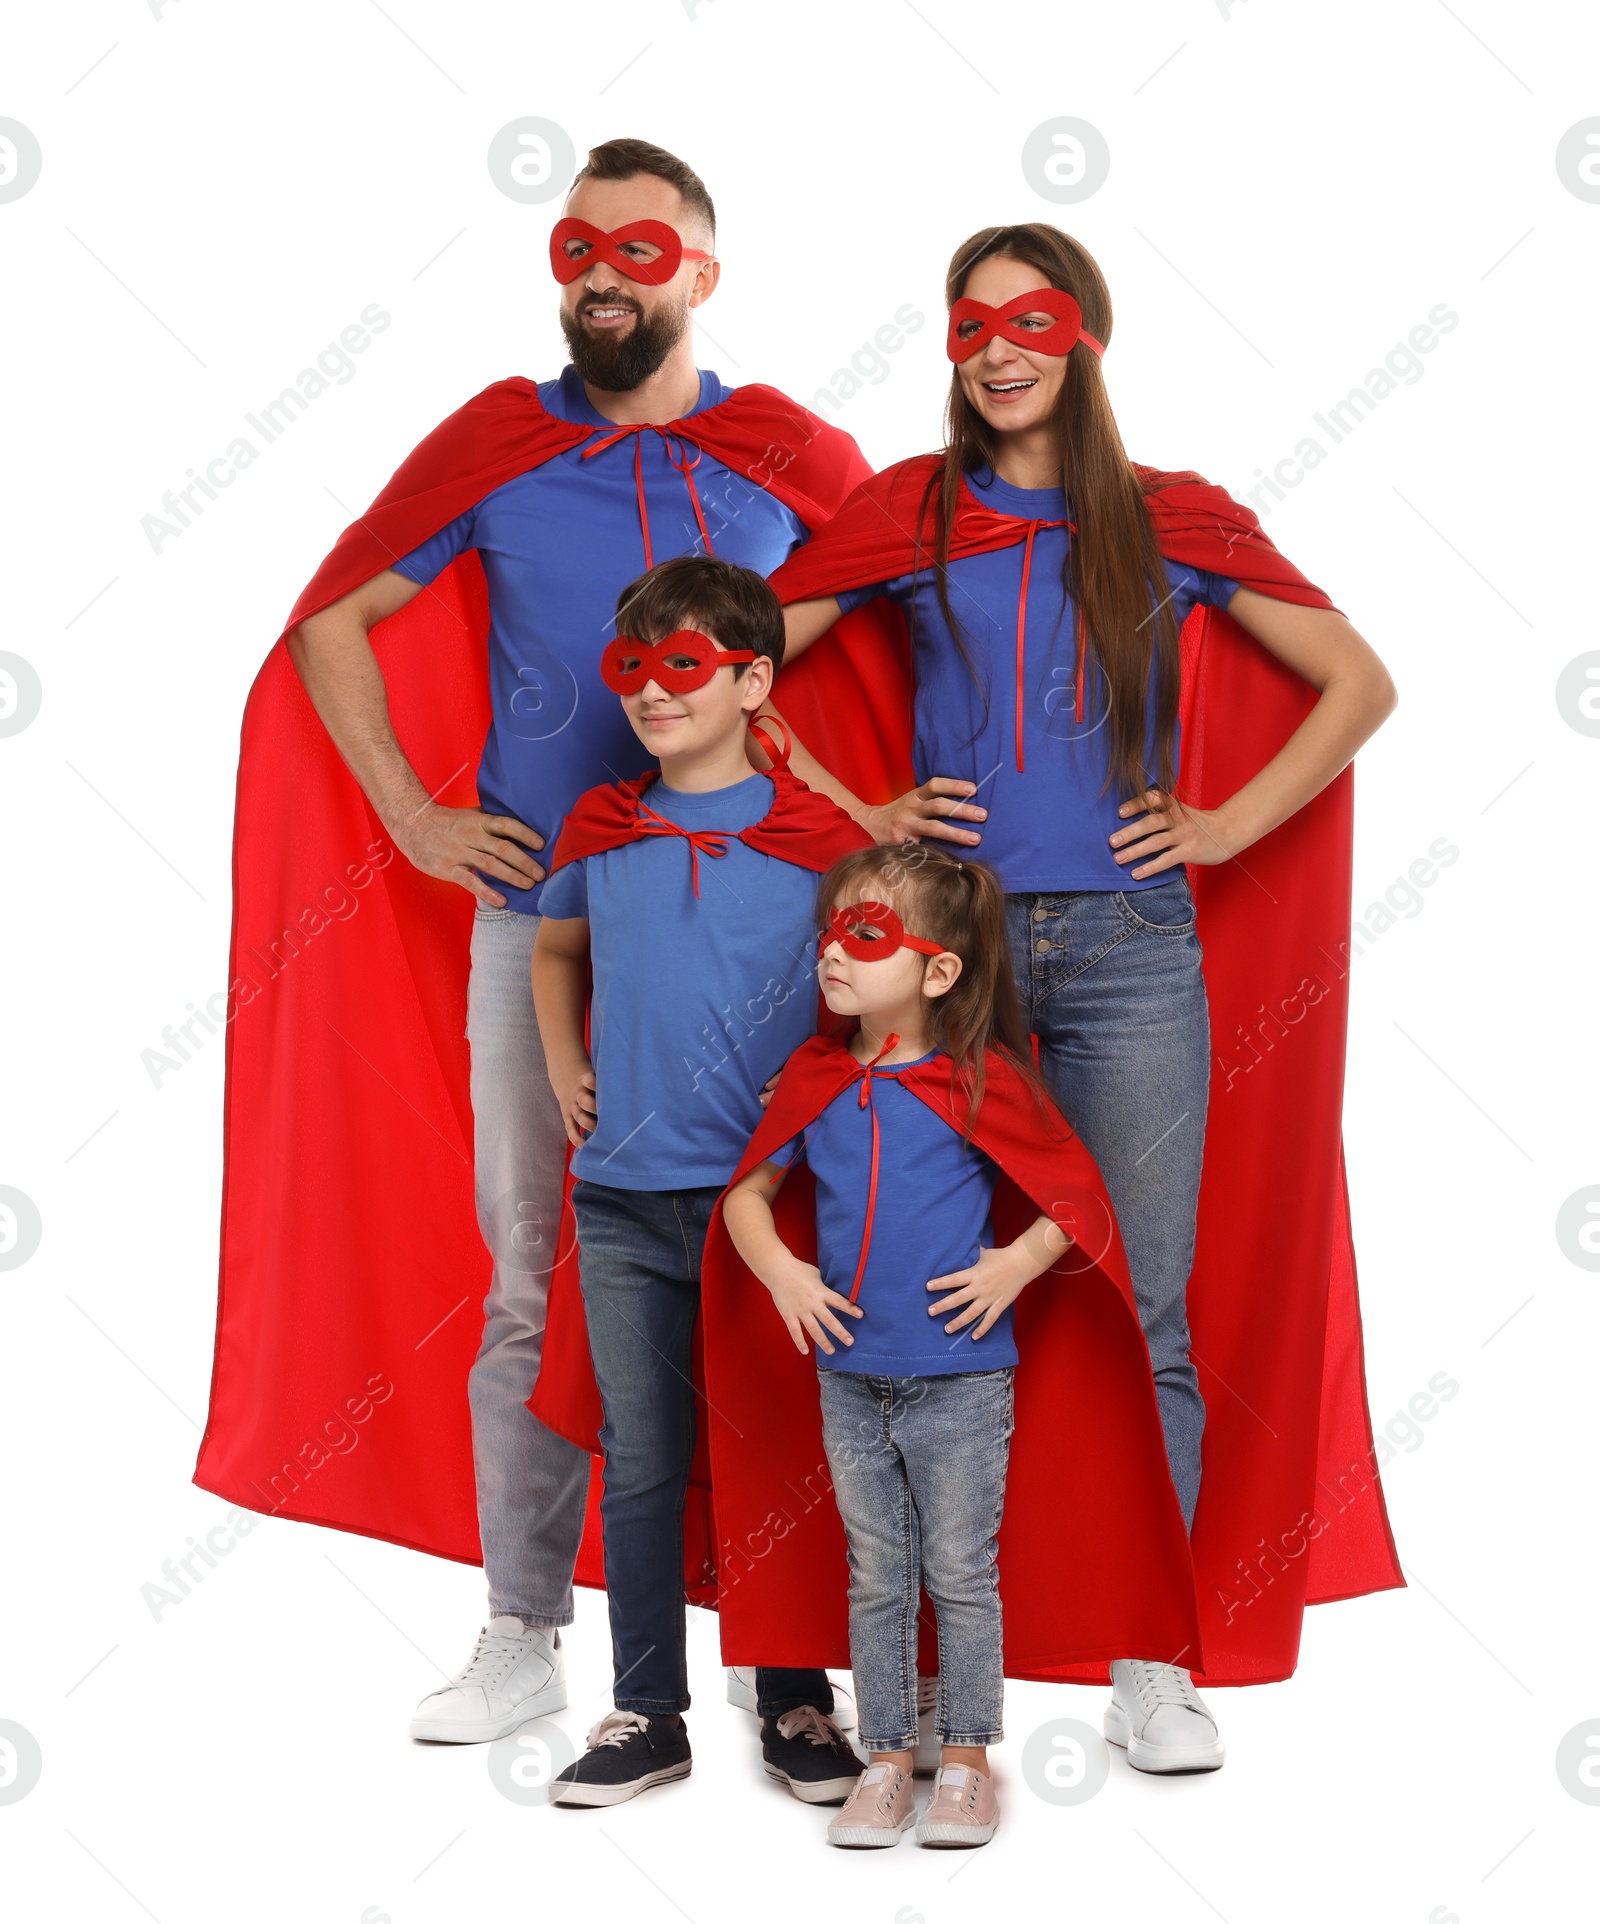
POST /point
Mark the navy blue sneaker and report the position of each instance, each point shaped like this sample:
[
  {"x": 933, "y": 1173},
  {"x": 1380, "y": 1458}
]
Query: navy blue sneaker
[
  {"x": 627, "y": 1753},
  {"x": 808, "y": 1752}
]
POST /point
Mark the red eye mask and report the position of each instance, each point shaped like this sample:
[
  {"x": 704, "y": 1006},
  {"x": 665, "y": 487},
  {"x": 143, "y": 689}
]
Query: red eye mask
[
  {"x": 651, "y": 272},
  {"x": 1060, "y": 339},
  {"x": 871, "y": 932},
  {"x": 686, "y": 659}
]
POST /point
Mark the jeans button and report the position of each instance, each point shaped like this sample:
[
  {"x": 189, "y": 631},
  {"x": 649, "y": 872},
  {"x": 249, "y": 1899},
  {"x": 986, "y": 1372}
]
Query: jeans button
[
  {"x": 1041, "y": 915},
  {"x": 1042, "y": 946}
]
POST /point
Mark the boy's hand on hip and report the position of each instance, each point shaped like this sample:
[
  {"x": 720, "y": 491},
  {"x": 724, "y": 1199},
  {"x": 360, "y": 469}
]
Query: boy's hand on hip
[
  {"x": 808, "y": 1306},
  {"x": 983, "y": 1292},
  {"x": 580, "y": 1103}
]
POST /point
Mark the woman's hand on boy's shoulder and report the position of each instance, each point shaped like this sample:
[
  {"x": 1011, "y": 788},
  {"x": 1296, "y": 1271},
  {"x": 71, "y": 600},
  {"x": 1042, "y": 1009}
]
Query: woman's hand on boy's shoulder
[{"x": 926, "y": 813}]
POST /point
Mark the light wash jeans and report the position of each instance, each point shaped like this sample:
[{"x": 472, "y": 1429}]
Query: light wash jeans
[
  {"x": 919, "y": 1474},
  {"x": 532, "y": 1484},
  {"x": 1111, "y": 985}
]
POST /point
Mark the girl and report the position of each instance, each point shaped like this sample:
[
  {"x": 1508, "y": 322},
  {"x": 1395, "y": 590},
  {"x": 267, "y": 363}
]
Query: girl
[
  {"x": 1045, "y": 579},
  {"x": 916, "y": 1374}
]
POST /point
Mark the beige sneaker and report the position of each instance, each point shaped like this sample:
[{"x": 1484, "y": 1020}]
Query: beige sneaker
[
  {"x": 882, "y": 1805},
  {"x": 964, "y": 1810}
]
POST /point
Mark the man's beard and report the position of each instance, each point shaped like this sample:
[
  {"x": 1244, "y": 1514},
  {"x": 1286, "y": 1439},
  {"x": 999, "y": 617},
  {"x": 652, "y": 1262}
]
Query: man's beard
[{"x": 617, "y": 362}]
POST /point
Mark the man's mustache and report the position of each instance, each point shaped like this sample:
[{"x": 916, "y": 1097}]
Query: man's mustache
[{"x": 609, "y": 299}]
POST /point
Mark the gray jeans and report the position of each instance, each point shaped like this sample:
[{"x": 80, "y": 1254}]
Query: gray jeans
[
  {"x": 532, "y": 1484},
  {"x": 919, "y": 1474}
]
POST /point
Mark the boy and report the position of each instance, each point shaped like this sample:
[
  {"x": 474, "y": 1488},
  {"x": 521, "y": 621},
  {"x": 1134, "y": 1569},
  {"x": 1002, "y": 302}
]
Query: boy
[{"x": 689, "y": 897}]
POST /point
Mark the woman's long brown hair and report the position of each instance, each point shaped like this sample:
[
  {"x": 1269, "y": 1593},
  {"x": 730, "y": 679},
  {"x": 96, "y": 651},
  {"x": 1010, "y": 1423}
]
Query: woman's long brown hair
[
  {"x": 1113, "y": 570},
  {"x": 962, "y": 907}
]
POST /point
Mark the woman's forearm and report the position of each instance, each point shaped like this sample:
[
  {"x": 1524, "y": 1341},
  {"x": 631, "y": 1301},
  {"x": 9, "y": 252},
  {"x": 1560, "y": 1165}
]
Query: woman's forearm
[
  {"x": 1355, "y": 695},
  {"x": 803, "y": 623},
  {"x": 1348, "y": 712},
  {"x": 804, "y": 764}
]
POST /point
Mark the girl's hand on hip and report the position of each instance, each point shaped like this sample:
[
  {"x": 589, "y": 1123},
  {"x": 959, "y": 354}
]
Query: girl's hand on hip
[
  {"x": 927, "y": 812},
  {"x": 1160, "y": 832},
  {"x": 807, "y": 1306},
  {"x": 985, "y": 1291}
]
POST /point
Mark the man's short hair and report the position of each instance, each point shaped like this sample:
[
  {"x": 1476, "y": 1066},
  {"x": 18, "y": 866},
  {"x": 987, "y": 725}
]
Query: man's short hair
[
  {"x": 734, "y": 605},
  {"x": 623, "y": 159}
]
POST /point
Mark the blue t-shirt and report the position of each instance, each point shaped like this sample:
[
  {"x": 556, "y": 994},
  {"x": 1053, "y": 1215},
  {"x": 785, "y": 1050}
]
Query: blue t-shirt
[
  {"x": 935, "y": 1191},
  {"x": 697, "y": 1000},
  {"x": 558, "y": 545},
  {"x": 1048, "y": 827}
]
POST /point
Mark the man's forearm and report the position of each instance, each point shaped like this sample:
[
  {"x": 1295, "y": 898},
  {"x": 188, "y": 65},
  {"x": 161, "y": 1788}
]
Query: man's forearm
[{"x": 334, "y": 659}]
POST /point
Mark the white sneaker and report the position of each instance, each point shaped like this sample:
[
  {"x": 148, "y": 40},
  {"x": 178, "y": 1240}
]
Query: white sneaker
[
  {"x": 742, "y": 1694},
  {"x": 1157, "y": 1716},
  {"x": 515, "y": 1673}
]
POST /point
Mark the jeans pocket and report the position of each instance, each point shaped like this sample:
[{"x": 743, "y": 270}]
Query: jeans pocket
[{"x": 1167, "y": 909}]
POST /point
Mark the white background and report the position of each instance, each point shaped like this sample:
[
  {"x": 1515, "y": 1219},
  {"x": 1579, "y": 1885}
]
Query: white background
[{"x": 1292, "y": 189}]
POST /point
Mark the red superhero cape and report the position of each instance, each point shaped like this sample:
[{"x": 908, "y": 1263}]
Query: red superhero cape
[
  {"x": 1093, "y": 1557},
  {"x": 352, "y": 1270},
  {"x": 801, "y": 827},
  {"x": 1291, "y": 1511}
]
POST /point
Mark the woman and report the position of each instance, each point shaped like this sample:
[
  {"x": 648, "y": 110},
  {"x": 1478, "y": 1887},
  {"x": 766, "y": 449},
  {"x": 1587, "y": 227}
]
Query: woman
[{"x": 1045, "y": 582}]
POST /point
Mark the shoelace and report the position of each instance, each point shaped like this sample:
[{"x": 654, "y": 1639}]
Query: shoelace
[
  {"x": 492, "y": 1658},
  {"x": 1165, "y": 1683},
  {"x": 615, "y": 1728},
  {"x": 811, "y": 1724}
]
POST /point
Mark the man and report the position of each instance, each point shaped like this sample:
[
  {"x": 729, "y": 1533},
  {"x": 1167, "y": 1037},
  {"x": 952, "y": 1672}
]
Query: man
[{"x": 563, "y": 493}]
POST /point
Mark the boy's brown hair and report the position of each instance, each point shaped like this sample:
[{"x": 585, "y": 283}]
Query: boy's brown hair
[{"x": 734, "y": 606}]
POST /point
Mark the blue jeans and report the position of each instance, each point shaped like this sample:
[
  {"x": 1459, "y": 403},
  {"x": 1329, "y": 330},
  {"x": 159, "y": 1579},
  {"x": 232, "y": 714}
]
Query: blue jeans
[
  {"x": 640, "y": 1269},
  {"x": 532, "y": 1484},
  {"x": 919, "y": 1474},
  {"x": 1111, "y": 986}
]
